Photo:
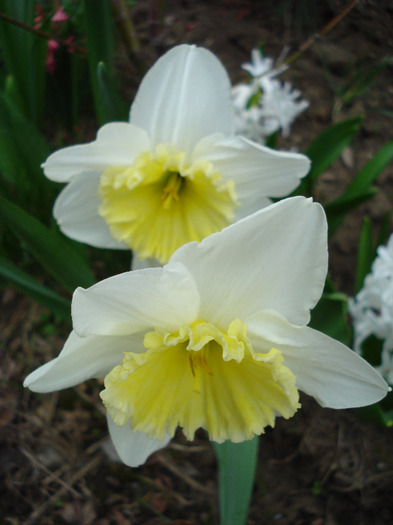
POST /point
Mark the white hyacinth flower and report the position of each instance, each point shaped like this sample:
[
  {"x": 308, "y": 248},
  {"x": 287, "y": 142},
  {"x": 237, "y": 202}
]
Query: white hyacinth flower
[
  {"x": 280, "y": 102},
  {"x": 216, "y": 339},
  {"x": 265, "y": 105},
  {"x": 262, "y": 68},
  {"x": 259, "y": 65},
  {"x": 372, "y": 309},
  {"x": 174, "y": 173}
]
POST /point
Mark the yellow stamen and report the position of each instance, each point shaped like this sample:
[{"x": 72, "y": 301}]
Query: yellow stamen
[
  {"x": 201, "y": 377},
  {"x": 164, "y": 201},
  {"x": 172, "y": 189},
  {"x": 198, "y": 361}
]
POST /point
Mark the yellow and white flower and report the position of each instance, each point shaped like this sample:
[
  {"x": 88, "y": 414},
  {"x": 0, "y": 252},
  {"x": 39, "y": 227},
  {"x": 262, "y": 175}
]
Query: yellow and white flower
[
  {"x": 215, "y": 339},
  {"x": 174, "y": 173}
]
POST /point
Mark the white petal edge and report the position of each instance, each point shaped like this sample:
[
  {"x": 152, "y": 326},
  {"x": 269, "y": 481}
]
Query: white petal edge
[
  {"x": 82, "y": 359},
  {"x": 76, "y": 213},
  {"x": 325, "y": 369},
  {"x": 275, "y": 258},
  {"x": 117, "y": 144},
  {"x": 252, "y": 206},
  {"x": 133, "y": 448},
  {"x": 255, "y": 169},
  {"x": 135, "y": 301},
  {"x": 185, "y": 96}
]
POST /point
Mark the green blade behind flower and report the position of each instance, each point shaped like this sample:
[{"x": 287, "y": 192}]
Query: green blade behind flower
[
  {"x": 22, "y": 150},
  {"x": 330, "y": 317},
  {"x": 51, "y": 300},
  {"x": 24, "y": 55},
  {"x": 325, "y": 149},
  {"x": 367, "y": 248},
  {"x": 360, "y": 188},
  {"x": 236, "y": 473},
  {"x": 99, "y": 33},
  {"x": 366, "y": 253},
  {"x": 54, "y": 253},
  {"x": 113, "y": 106}
]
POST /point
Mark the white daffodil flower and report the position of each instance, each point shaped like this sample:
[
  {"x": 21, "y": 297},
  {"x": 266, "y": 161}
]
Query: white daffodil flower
[
  {"x": 174, "y": 173},
  {"x": 216, "y": 339}
]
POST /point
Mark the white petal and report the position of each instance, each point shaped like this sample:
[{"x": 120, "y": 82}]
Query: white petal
[
  {"x": 82, "y": 359},
  {"x": 325, "y": 369},
  {"x": 117, "y": 144},
  {"x": 133, "y": 447},
  {"x": 276, "y": 258},
  {"x": 255, "y": 169},
  {"x": 138, "y": 300},
  {"x": 184, "y": 97},
  {"x": 251, "y": 207},
  {"x": 76, "y": 213}
]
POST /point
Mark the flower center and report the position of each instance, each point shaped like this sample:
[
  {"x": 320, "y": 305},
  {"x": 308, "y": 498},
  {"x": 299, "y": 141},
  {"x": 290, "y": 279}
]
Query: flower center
[
  {"x": 172, "y": 189},
  {"x": 201, "y": 377},
  {"x": 164, "y": 201}
]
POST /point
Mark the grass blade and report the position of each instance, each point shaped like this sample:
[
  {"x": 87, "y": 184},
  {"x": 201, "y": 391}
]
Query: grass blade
[
  {"x": 360, "y": 189},
  {"x": 326, "y": 148},
  {"x": 366, "y": 253},
  {"x": 99, "y": 32},
  {"x": 48, "y": 247},
  {"x": 24, "y": 54},
  {"x": 22, "y": 150},
  {"x": 114, "y": 107},
  {"x": 26, "y": 284},
  {"x": 330, "y": 317}
]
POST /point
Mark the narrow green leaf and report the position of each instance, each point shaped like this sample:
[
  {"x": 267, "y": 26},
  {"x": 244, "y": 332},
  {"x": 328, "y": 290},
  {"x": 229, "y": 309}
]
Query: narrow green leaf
[
  {"x": 114, "y": 108},
  {"x": 335, "y": 215},
  {"x": 99, "y": 33},
  {"x": 380, "y": 413},
  {"x": 236, "y": 473},
  {"x": 388, "y": 418},
  {"x": 326, "y": 148},
  {"x": 28, "y": 139},
  {"x": 372, "y": 350},
  {"x": 48, "y": 247},
  {"x": 384, "y": 231},
  {"x": 271, "y": 140},
  {"x": 376, "y": 414},
  {"x": 382, "y": 111},
  {"x": 367, "y": 249},
  {"x": 329, "y": 144},
  {"x": 366, "y": 253},
  {"x": 330, "y": 317},
  {"x": 24, "y": 54},
  {"x": 366, "y": 176},
  {"x": 362, "y": 80},
  {"x": 22, "y": 150},
  {"x": 360, "y": 188},
  {"x": 26, "y": 284}
]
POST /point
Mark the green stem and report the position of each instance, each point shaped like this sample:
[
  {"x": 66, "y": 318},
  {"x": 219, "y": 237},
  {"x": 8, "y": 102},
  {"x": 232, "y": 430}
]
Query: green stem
[{"x": 236, "y": 473}]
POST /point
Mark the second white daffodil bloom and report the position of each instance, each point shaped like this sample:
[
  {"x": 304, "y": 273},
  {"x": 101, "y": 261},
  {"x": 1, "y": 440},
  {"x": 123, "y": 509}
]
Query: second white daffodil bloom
[
  {"x": 174, "y": 173},
  {"x": 216, "y": 339}
]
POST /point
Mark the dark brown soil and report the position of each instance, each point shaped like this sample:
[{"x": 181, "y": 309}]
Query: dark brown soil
[{"x": 322, "y": 467}]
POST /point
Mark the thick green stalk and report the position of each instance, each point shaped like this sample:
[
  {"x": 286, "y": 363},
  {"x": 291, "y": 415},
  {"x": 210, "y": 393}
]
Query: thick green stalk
[{"x": 236, "y": 473}]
